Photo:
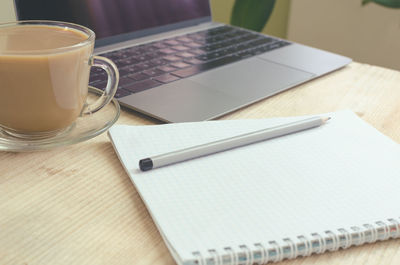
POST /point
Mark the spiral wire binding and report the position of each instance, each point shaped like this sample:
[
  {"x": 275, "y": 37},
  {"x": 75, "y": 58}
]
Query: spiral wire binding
[
  {"x": 249, "y": 256},
  {"x": 317, "y": 243}
]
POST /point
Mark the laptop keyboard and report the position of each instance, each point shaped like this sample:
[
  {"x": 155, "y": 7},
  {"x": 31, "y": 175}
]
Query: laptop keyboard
[{"x": 152, "y": 64}]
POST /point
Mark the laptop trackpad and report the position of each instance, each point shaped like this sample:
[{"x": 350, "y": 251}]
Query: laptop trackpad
[
  {"x": 252, "y": 79},
  {"x": 182, "y": 101}
]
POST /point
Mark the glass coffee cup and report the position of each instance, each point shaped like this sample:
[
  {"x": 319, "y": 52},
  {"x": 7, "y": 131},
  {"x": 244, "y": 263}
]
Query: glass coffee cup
[{"x": 44, "y": 76}]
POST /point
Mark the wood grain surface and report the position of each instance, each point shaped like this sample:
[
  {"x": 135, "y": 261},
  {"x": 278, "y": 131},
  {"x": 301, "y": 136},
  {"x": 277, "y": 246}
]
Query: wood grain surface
[{"x": 76, "y": 204}]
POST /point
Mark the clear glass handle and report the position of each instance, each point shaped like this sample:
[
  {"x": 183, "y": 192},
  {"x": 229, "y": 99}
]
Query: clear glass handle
[{"x": 112, "y": 84}]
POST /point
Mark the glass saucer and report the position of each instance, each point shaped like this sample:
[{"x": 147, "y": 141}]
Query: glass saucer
[{"x": 83, "y": 129}]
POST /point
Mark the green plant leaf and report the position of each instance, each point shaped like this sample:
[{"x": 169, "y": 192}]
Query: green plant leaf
[
  {"x": 252, "y": 14},
  {"x": 387, "y": 3}
]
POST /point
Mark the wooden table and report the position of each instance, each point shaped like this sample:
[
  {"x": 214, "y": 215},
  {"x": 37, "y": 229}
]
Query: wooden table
[{"x": 76, "y": 204}]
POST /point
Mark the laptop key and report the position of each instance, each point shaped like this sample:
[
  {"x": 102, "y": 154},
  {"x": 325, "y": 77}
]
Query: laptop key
[
  {"x": 198, "y": 51},
  {"x": 122, "y": 72},
  {"x": 246, "y": 54},
  {"x": 167, "y": 68},
  {"x": 193, "y": 44},
  {"x": 142, "y": 85},
  {"x": 247, "y": 37},
  {"x": 126, "y": 62},
  {"x": 172, "y": 58},
  {"x": 210, "y": 56},
  {"x": 144, "y": 65},
  {"x": 132, "y": 53},
  {"x": 269, "y": 47},
  {"x": 121, "y": 93},
  {"x": 157, "y": 62},
  {"x": 261, "y": 41},
  {"x": 167, "y": 51},
  {"x": 185, "y": 54},
  {"x": 142, "y": 58},
  {"x": 180, "y": 48},
  {"x": 133, "y": 69},
  {"x": 207, "y": 48},
  {"x": 125, "y": 81},
  {"x": 180, "y": 65},
  {"x": 153, "y": 72},
  {"x": 139, "y": 76},
  {"x": 283, "y": 43},
  {"x": 193, "y": 61},
  {"x": 205, "y": 66},
  {"x": 167, "y": 78}
]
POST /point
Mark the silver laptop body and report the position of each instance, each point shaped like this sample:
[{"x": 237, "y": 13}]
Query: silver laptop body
[{"x": 220, "y": 90}]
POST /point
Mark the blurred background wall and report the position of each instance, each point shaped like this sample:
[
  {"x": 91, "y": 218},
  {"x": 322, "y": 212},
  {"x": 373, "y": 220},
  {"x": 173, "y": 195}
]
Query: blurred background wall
[
  {"x": 368, "y": 34},
  {"x": 277, "y": 24}
]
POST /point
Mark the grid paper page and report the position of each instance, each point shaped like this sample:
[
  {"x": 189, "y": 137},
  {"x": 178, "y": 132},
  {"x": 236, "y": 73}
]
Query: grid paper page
[{"x": 339, "y": 175}]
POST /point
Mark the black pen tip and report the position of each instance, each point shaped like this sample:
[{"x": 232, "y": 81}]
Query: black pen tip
[{"x": 145, "y": 164}]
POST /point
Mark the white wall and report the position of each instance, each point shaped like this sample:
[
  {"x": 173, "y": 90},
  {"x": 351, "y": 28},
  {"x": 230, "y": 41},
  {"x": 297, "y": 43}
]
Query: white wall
[
  {"x": 369, "y": 34},
  {"x": 6, "y": 11}
]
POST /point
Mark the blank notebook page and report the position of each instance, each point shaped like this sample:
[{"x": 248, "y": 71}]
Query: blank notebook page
[{"x": 342, "y": 176}]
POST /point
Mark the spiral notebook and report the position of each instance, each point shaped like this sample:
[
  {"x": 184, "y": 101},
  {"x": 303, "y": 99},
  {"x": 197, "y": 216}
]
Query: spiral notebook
[{"x": 317, "y": 190}]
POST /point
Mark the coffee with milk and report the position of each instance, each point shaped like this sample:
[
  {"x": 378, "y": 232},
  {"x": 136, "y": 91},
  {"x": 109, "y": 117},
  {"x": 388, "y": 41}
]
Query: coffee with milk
[{"x": 44, "y": 73}]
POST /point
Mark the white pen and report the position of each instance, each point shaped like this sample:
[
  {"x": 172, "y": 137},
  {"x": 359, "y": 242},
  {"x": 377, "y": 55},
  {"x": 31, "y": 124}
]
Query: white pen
[{"x": 229, "y": 143}]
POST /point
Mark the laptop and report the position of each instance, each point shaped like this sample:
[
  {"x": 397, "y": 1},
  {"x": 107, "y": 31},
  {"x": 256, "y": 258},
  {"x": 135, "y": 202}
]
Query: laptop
[{"x": 176, "y": 64}]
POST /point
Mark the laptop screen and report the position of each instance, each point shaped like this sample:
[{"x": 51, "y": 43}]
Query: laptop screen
[{"x": 118, "y": 20}]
